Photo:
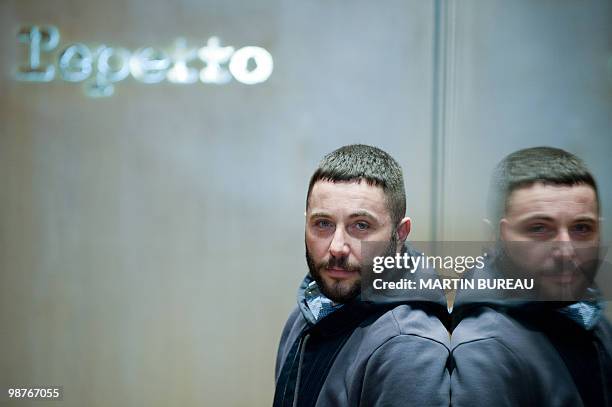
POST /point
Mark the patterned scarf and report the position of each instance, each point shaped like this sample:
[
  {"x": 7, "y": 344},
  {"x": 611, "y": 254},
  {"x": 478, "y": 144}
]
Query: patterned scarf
[
  {"x": 319, "y": 304},
  {"x": 585, "y": 313}
]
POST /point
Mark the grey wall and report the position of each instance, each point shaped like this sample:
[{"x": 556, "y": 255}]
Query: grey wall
[
  {"x": 523, "y": 74},
  {"x": 151, "y": 243}
]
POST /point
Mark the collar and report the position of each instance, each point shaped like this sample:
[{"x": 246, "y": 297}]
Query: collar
[{"x": 320, "y": 306}]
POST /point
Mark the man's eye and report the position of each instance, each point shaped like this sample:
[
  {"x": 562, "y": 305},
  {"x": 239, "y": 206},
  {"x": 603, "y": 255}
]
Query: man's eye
[
  {"x": 362, "y": 226},
  {"x": 582, "y": 228},
  {"x": 537, "y": 228},
  {"x": 323, "y": 224}
]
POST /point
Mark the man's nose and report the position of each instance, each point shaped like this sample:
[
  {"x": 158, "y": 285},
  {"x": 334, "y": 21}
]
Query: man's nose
[
  {"x": 339, "y": 246},
  {"x": 564, "y": 249},
  {"x": 563, "y": 235}
]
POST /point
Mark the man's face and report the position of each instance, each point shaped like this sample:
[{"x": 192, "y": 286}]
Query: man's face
[
  {"x": 552, "y": 233},
  {"x": 339, "y": 217}
]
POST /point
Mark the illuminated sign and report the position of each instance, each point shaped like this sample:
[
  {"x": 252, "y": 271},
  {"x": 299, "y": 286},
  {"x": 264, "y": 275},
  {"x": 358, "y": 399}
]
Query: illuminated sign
[{"x": 101, "y": 67}]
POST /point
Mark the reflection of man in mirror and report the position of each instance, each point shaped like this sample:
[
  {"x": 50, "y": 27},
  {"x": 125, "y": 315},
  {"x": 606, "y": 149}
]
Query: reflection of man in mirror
[
  {"x": 555, "y": 351},
  {"x": 548, "y": 223}
]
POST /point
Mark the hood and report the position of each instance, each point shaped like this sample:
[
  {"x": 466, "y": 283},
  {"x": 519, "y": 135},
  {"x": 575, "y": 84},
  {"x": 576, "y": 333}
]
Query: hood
[{"x": 434, "y": 298}]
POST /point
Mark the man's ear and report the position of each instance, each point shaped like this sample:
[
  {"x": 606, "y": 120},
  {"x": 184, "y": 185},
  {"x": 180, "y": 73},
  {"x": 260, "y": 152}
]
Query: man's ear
[
  {"x": 503, "y": 229},
  {"x": 403, "y": 229}
]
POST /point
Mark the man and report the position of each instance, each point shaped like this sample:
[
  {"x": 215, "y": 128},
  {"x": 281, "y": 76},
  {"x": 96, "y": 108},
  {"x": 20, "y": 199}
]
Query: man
[
  {"x": 335, "y": 349},
  {"x": 550, "y": 346}
]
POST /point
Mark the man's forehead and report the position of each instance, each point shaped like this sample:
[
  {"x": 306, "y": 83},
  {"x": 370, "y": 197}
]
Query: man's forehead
[
  {"x": 552, "y": 199},
  {"x": 359, "y": 187},
  {"x": 353, "y": 194}
]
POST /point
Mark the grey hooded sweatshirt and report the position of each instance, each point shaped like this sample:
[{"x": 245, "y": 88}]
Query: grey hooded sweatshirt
[
  {"x": 364, "y": 354},
  {"x": 516, "y": 353}
]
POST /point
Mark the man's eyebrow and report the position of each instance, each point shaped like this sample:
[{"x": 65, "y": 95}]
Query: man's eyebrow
[
  {"x": 319, "y": 214},
  {"x": 548, "y": 218},
  {"x": 537, "y": 216},
  {"x": 363, "y": 214},
  {"x": 587, "y": 218},
  {"x": 358, "y": 214}
]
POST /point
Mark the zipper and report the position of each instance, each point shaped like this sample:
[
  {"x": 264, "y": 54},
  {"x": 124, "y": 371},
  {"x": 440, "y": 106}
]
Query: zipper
[
  {"x": 601, "y": 358},
  {"x": 299, "y": 373}
]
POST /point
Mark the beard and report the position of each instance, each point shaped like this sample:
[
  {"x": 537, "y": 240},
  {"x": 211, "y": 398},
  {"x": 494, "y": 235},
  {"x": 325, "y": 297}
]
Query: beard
[
  {"x": 547, "y": 275},
  {"x": 342, "y": 291}
]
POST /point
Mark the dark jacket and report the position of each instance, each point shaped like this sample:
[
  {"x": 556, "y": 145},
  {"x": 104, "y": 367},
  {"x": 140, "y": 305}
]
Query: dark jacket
[
  {"x": 364, "y": 354},
  {"x": 527, "y": 354}
]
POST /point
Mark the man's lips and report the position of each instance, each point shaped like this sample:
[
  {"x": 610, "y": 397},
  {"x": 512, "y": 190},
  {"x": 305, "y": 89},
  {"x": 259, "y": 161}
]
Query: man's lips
[
  {"x": 561, "y": 278},
  {"x": 337, "y": 272}
]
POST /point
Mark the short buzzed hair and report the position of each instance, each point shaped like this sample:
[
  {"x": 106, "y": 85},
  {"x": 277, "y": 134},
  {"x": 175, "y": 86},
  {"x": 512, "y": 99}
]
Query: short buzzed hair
[
  {"x": 523, "y": 168},
  {"x": 358, "y": 162}
]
